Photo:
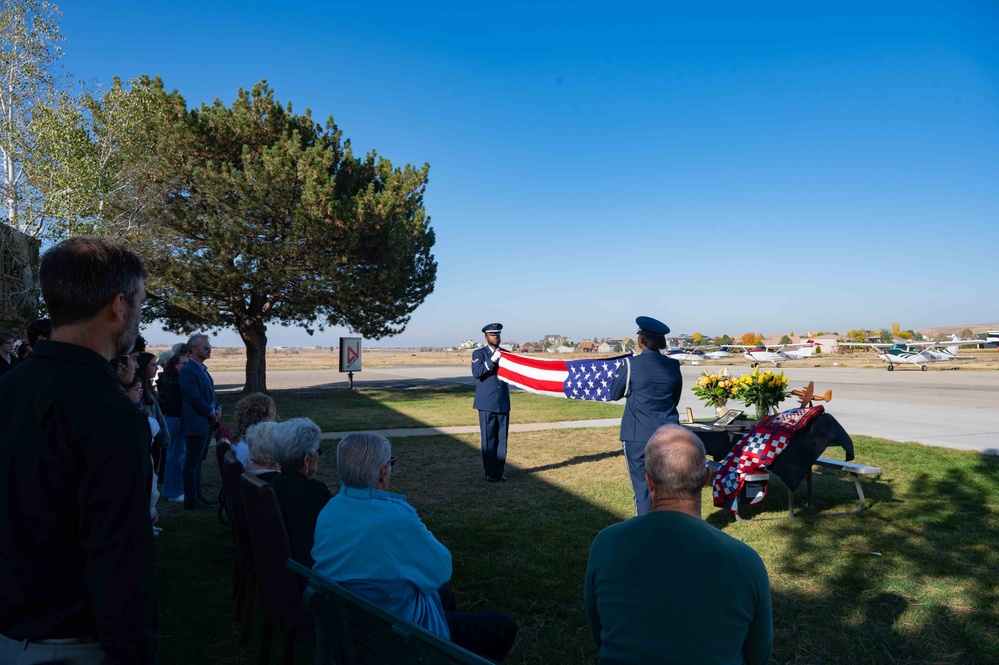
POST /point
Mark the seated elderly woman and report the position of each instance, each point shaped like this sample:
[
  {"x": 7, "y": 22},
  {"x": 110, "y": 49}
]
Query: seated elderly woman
[
  {"x": 373, "y": 543},
  {"x": 258, "y": 441},
  {"x": 295, "y": 446}
]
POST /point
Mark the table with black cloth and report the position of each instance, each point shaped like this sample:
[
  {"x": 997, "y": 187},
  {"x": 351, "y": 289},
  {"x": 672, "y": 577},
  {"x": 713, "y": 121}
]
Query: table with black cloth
[{"x": 794, "y": 464}]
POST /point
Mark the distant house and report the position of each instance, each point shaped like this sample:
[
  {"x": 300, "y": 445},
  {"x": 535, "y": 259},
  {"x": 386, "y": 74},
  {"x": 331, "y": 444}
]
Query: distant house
[
  {"x": 565, "y": 349},
  {"x": 469, "y": 344},
  {"x": 552, "y": 341},
  {"x": 530, "y": 347},
  {"x": 586, "y": 346},
  {"x": 609, "y": 347}
]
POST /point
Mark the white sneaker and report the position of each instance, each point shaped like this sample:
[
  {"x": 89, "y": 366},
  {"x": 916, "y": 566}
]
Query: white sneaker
[{"x": 177, "y": 499}]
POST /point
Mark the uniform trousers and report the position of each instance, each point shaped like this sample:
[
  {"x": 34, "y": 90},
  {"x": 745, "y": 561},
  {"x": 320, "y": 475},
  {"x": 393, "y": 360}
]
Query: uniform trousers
[
  {"x": 493, "y": 428},
  {"x": 634, "y": 452}
]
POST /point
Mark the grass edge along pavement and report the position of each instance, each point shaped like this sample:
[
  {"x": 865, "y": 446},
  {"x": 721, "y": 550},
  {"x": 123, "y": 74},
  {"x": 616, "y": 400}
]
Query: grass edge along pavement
[{"x": 914, "y": 579}]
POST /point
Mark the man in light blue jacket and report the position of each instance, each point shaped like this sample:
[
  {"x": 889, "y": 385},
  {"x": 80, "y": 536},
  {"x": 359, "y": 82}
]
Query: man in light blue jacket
[
  {"x": 373, "y": 543},
  {"x": 200, "y": 414}
]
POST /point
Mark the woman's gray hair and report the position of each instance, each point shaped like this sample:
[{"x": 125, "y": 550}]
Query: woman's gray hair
[
  {"x": 360, "y": 458},
  {"x": 291, "y": 440},
  {"x": 675, "y": 460},
  {"x": 258, "y": 440}
]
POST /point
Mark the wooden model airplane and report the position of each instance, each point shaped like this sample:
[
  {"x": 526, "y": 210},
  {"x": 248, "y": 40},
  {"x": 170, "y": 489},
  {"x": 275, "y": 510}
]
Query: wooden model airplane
[{"x": 807, "y": 395}]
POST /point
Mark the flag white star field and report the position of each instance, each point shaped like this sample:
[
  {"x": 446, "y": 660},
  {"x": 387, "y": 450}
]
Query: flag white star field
[{"x": 576, "y": 379}]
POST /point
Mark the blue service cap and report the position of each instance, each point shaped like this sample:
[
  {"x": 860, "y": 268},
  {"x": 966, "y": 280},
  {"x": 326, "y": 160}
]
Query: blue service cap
[
  {"x": 494, "y": 328},
  {"x": 652, "y": 326}
]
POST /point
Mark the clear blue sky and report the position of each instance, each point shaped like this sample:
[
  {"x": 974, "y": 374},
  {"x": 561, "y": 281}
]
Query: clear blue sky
[{"x": 724, "y": 167}]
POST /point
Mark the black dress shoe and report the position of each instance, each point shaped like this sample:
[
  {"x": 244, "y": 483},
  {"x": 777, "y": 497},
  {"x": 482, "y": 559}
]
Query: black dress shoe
[{"x": 496, "y": 479}]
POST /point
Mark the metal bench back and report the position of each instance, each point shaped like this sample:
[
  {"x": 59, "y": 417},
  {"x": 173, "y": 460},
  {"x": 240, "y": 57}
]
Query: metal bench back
[{"x": 352, "y": 631}]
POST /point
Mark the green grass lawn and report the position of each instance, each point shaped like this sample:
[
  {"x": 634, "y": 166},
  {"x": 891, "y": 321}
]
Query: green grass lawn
[
  {"x": 343, "y": 410},
  {"x": 913, "y": 579}
]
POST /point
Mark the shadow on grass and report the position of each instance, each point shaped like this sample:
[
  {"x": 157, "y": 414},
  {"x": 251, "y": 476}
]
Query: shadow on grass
[
  {"x": 911, "y": 580},
  {"x": 519, "y": 547}
]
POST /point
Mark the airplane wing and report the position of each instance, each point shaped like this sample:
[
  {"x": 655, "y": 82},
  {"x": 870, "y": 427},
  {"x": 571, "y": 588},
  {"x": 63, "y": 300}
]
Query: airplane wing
[
  {"x": 873, "y": 345},
  {"x": 955, "y": 342}
]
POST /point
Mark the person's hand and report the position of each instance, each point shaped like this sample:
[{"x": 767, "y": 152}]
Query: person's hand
[
  {"x": 218, "y": 415},
  {"x": 496, "y": 356}
]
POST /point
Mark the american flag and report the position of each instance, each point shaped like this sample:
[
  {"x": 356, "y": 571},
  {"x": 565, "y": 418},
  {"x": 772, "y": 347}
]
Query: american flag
[{"x": 576, "y": 379}]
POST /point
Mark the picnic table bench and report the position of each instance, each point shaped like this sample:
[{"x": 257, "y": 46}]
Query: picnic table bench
[
  {"x": 851, "y": 468},
  {"x": 352, "y": 631}
]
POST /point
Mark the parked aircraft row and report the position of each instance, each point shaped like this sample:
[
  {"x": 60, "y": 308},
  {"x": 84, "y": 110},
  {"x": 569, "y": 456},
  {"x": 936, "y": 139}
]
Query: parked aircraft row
[{"x": 912, "y": 353}]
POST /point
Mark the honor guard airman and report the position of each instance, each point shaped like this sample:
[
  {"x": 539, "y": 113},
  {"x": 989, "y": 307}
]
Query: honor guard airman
[
  {"x": 492, "y": 399},
  {"x": 652, "y": 384}
]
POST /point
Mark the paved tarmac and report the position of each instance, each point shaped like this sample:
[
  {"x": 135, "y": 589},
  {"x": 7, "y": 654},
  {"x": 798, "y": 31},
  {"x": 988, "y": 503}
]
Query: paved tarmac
[{"x": 943, "y": 406}]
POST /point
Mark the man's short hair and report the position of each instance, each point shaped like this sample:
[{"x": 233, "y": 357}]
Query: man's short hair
[
  {"x": 360, "y": 458},
  {"x": 80, "y": 276},
  {"x": 676, "y": 462},
  {"x": 39, "y": 328},
  {"x": 291, "y": 440},
  {"x": 652, "y": 341},
  {"x": 7, "y": 337}
]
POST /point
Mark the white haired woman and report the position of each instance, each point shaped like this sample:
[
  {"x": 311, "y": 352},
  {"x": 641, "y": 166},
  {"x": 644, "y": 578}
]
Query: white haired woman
[
  {"x": 258, "y": 440},
  {"x": 294, "y": 445},
  {"x": 372, "y": 542}
]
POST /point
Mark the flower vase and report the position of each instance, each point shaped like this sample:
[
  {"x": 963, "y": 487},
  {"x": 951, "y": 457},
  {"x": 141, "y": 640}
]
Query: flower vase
[{"x": 720, "y": 410}]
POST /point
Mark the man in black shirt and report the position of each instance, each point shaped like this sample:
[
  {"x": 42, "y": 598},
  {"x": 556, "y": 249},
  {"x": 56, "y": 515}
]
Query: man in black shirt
[{"x": 76, "y": 549}]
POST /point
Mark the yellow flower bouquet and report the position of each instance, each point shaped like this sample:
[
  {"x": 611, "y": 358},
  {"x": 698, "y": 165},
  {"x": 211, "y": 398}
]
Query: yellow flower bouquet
[
  {"x": 714, "y": 389},
  {"x": 764, "y": 390}
]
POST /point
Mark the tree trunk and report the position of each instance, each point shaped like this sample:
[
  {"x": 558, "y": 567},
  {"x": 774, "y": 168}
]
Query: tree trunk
[{"x": 254, "y": 335}]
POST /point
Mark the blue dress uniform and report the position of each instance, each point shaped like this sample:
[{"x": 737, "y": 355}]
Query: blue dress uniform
[
  {"x": 653, "y": 392},
  {"x": 492, "y": 399}
]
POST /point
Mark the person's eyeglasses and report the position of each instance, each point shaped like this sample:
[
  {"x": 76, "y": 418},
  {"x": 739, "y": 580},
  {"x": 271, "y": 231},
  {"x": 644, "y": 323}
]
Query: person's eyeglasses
[
  {"x": 319, "y": 451},
  {"x": 392, "y": 462}
]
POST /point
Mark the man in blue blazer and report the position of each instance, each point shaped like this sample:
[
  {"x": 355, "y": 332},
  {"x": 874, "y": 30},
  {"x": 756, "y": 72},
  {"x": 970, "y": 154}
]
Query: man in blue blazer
[
  {"x": 492, "y": 399},
  {"x": 652, "y": 384},
  {"x": 201, "y": 411}
]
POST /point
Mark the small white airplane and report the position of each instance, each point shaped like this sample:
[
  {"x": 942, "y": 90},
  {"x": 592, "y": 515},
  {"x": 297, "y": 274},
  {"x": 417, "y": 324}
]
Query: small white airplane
[
  {"x": 918, "y": 353},
  {"x": 695, "y": 355},
  {"x": 776, "y": 353}
]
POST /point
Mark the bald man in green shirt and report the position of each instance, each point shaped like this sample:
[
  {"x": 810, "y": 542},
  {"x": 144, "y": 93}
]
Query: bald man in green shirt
[{"x": 667, "y": 587}]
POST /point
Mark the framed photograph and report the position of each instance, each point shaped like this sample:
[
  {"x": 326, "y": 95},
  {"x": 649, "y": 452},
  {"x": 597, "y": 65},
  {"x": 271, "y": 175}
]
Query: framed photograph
[{"x": 727, "y": 419}]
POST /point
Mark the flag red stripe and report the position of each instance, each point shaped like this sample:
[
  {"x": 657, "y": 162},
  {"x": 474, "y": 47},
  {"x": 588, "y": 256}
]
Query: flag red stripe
[
  {"x": 535, "y": 384},
  {"x": 537, "y": 363}
]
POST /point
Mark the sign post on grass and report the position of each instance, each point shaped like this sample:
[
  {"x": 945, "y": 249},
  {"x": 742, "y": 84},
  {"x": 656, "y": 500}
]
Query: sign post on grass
[{"x": 350, "y": 358}]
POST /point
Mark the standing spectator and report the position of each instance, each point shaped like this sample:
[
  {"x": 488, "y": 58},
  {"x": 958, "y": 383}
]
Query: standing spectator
[
  {"x": 77, "y": 562},
  {"x": 492, "y": 399},
  {"x": 7, "y": 357},
  {"x": 653, "y": 385},
  {"x": 201, "y": 413},
  {"x": 667, "y": 587},
  {"x": 39, "y": 329},
  {"x": 150, "y": 405},
  {"x": 172, "y": 406}
]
